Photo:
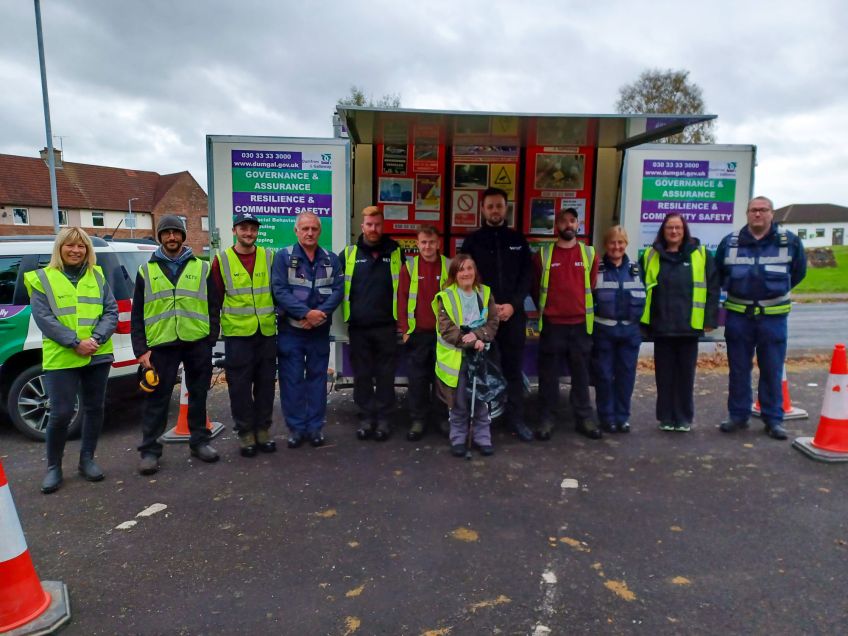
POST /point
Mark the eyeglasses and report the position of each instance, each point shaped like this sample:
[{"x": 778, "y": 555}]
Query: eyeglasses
[{"x": 759, "y": 210}]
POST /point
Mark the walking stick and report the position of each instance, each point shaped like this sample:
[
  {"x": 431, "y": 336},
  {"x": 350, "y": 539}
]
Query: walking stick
[{"x": 471, "y": 419}]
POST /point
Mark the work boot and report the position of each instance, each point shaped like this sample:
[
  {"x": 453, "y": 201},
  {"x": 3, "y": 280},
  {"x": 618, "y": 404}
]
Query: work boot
[
  {"x": 382, "y": 431},
  {"x": 775, "y": 431},
  {"x": 205, "y": 453},
  {"x": 444, "y": 427},
  {"x": 609, "y": 427},
  {"x": 546, "y": 427},
  {"x": 458, "y": 450},
  {"x": 487, "y": 451},
  {"x": 52, "y": 480},
  {"x": 728, "y": 425},
  {"x": 89, "y": 469},
  {"x": 294, "y": 440},
  {"x": 416, "y": 431},
  {"x": 247, "y": 444},
  {"x": 521, "y": 430},
  {"x": 148, "y": 465},
  {"x": 317, "y": 439},
  {"x": 264, "y": 441},
  {"x": 589, "y": 428}
]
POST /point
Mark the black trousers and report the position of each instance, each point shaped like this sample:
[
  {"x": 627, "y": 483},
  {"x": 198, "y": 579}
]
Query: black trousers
[
  {"x": 570, "y": 343},
  {"x": 373, "y": 355},
  {"x": 251, "y": 364},
  {"x": 421, "y": 373},
  {"x": 675, "y": 360},
  {"x": 196, "y": 358},
  {"x": 510, "y": 339},
  {"x": 62, "y": 386}
]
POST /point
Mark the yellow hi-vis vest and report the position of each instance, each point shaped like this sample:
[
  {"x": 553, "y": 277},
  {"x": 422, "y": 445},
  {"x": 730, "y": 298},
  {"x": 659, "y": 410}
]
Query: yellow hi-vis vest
[
  {"x": 448, "y": 357},
  {"x": 181, "y": 312},
  {"x": 412, "y": 301},
  {"x": 248, "y": 303},
  {"x": 78, "y": 308},
  {"x": 651, "y": 267},
  {"x": 350, "y": 264},
  {"x": 587, "y": 254}
]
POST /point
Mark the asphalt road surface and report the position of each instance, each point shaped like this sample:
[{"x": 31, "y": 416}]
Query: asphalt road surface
[
  {"x": 817, "y": 325},
  {"x": 648, "y": 533}
]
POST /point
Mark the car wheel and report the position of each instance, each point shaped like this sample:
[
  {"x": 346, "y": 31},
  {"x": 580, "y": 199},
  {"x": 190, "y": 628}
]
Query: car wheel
[{"x": 29, "y": 406}]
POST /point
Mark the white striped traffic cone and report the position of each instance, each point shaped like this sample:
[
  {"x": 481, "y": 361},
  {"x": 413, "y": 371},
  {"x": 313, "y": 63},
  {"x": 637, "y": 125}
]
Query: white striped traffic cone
[
  {"x": 180, "y": 432},
  {"x": 790, "y": 412},
  {"x": 27, "y": 605}
]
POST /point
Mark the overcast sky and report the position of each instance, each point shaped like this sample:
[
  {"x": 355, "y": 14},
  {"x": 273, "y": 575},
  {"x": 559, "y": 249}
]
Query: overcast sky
[{"x": 138, "y": 84}]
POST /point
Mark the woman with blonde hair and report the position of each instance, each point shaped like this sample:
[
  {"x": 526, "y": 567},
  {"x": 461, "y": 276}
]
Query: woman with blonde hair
[
  {"x": 76, "y": 311},
  {"x": 619, "y": 296}
]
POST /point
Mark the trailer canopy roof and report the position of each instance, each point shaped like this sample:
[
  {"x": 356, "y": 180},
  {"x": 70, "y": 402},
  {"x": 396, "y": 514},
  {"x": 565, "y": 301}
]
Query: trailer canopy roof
[{"x": 367, "y": 125}]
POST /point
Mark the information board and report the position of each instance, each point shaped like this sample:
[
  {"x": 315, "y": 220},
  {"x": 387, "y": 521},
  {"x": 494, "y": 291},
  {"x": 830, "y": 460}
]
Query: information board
[
  {"x": 276, "y": 179},
  {"x": 708, "y": 185}
]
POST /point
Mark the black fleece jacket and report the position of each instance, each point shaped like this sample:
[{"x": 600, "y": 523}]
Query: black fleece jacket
[
  {"x": 503, "y": 259},
  {"x": 371, "y": 287}
]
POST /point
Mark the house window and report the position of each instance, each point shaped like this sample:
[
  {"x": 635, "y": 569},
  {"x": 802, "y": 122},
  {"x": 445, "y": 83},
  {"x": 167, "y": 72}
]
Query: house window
[
  {"x": 204, "y": 223},
  {"x": 819, "y": 232},
  {"x": 802, "y": 233},
  {"x": 97, "y": 219},
  {"x": 184, "y": 219},
  {"x": 21, "y": 216},
  {"x": 63, "y": 218}
]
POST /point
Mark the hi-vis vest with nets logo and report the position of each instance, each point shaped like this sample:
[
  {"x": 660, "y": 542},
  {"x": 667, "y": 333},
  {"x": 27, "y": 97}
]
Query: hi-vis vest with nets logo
[
  {"x": 350, "y": 264},
  {"x": 78, "y": 308},
  {"x": 412, "y": 302},
  {"x": 448, "y": 357},
  {"x": 176, "y": 313},
  {"x": 698, "y": 259},
  {"x": 587, "y": 254},
  {"x": 248, "y": 303}
]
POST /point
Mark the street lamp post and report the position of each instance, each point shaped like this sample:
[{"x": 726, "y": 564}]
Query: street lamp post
[
  {"x": 131, "y": 218},
  {"x": 51, "y": 160}
]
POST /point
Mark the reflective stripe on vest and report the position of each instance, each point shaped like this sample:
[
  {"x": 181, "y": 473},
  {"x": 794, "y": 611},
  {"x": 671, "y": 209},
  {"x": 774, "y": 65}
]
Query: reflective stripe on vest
[
  {"x": 449, "y": 357},
  {"x": 698, "y": 260},
  {"x": 587, "y": 254},
  {"x": 78, "y": 308},
  {"x": 350, "y": 264},
  {"x": 176, "y": 313},
  {"x": 412, "y": 301},
  {"x": 248, "y": 303}
]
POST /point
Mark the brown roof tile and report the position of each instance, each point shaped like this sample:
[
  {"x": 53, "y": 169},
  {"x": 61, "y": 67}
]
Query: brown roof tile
[{"x": 811, "y": 213}]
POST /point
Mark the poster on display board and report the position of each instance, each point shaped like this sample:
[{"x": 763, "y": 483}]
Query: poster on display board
[
  {"x": 410, "y": 168},
  {"x": 709, "y": 185},
  {"x": 277, "y": 178},
  {"x": 477, "y": 166}
]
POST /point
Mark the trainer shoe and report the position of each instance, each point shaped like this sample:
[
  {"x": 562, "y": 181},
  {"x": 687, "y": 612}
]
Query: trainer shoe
[
  {"x": 666, "y": 426},
  {"x": 205, "y": 453},
  {"x": 148, "y": 465},
  {"x": 683, "y": 427}
]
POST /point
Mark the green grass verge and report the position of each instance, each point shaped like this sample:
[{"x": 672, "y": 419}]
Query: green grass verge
[{"x": 827, "y": 280}]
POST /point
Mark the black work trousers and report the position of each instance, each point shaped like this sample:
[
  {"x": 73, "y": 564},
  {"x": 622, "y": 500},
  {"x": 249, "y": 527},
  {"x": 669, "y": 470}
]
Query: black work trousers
[
  {"x": 251, "y": 364},
  {"x": 675, "y": 360},
  {"x": 510, "y": 341},
  {"x": 570, "y": 343},
  {"x": 421, "y": 373},
  {"x": 373, "y": 355},
  {"x": 196, "y": 358}
]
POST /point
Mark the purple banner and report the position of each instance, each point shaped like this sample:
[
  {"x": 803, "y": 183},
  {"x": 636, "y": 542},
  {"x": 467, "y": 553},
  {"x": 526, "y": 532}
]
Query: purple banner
[
  {"x": 723, "y": 207},
  {"x": 267, "y": 159},
  {"x": 722, "y": 215},
  {"x": 675, "y": 168},
  {"x": 282, "y": 204}
]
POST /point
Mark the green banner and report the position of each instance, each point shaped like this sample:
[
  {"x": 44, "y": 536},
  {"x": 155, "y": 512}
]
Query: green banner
[
  {"x": 289, "y": 181},
  {"x": 674, "y": 189}
]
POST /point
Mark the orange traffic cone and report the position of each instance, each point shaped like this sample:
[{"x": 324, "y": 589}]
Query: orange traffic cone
[
  {"x": 789, "y": 412},
  {"x": 26, "y": 604},
  {"x": 180, "y": 432},
  {"x": 831, "y": 441}
]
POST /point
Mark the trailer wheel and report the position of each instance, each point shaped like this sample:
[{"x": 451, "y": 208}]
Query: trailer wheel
[{"x": 29, "y": 406}]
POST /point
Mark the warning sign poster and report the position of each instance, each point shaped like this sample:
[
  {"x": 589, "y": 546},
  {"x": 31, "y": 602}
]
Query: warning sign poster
[{"x": 479, "y": 166}]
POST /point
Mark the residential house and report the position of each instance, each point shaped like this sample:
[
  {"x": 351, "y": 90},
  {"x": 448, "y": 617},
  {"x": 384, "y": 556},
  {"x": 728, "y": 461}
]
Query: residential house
[
  {"x": 98, "y": 199},
  {"x": 816, "y": 224}
]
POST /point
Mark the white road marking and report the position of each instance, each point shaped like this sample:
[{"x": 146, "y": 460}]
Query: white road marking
[
  {"x": 152, "y": 510},
  {"x": 569, "y": 483},
  {"x": 126, "y": 525}
]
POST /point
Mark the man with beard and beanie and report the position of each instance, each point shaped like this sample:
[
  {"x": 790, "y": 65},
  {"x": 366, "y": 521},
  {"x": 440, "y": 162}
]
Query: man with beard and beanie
[
  {"x": 174, "y": 321},
  {"x": 307, "y": 284},
  {"x": 564, "y": 275},
  {"x": 503, "y": 260},
  {"x": 759, "y": 266},
  {"x": 371, "y": 277},
  {"x": 242, "y": 277}
]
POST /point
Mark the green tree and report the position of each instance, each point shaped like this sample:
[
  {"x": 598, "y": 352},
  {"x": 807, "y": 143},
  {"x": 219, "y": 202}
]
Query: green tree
[
  {"x": 358, "y": 97},
  {"x": 667, "y": 92}
]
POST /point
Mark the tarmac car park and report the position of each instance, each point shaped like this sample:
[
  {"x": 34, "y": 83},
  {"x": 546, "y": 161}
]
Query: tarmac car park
[{"x": 22, "y": 391}]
